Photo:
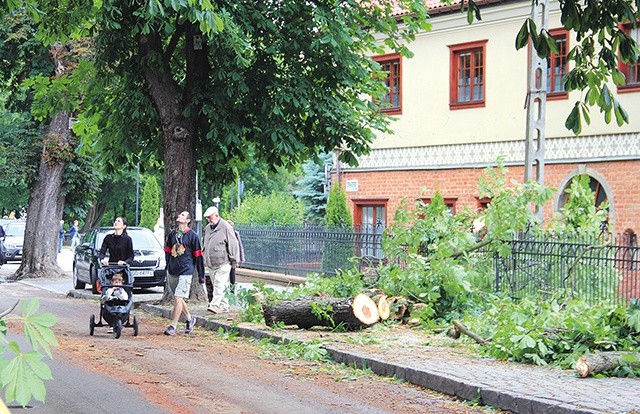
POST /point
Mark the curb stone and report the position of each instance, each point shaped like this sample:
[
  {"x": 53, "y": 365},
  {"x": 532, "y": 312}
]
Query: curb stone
[{"x": 467, "y": 388}]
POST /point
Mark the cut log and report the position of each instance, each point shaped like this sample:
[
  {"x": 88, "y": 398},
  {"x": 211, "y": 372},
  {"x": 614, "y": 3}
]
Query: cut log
[
  {"x": 383, "y": 307},
  {"x": 604, "y": 361},
  {"x": 350, "y": 313}
]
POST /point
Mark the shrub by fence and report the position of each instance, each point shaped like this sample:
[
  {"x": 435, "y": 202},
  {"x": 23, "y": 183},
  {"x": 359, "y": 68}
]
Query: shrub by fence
[{"x": 598, "y": 268}]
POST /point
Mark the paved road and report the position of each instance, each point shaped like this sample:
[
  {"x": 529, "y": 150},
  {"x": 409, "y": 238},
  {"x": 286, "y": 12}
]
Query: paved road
[
  {"x": 202, "y": 373},
  {"x": 75, "y": 390}
]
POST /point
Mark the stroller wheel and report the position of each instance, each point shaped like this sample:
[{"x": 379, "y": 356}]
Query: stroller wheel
[
  {"x": 92, "y": 324},
  {"x": 117, "y": 328},
  {"x": 135, "y": 326}
]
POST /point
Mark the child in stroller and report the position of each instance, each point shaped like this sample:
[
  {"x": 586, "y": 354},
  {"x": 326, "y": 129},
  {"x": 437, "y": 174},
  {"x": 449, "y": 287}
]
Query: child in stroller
[{"x": 116, "y": 300}]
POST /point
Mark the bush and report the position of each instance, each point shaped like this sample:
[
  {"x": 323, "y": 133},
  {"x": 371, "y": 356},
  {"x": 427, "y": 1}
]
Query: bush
[
  {"x": 337, "y": 214},
  {"x": 279, "y": 208},
  {"x": 337, "y": 255},
  {"x": 150, "y": 205}
]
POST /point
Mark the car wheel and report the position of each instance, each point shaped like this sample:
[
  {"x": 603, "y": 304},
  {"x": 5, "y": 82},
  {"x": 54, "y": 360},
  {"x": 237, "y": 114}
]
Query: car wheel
[
  {"x": 92, "y": 324},
  {"x": 95, "y": 283},
  {"x": 117, "y": 328},
  {"x": 135, "y": 326},
  {"x": 77, "y": 284}
]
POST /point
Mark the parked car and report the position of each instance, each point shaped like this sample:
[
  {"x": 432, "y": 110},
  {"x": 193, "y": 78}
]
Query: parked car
[
  {"x": 13, "y": 239},
  {"x": 148, "y": 267}
]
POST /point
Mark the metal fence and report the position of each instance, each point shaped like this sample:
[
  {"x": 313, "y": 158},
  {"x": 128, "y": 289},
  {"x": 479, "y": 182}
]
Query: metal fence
[
  {"x": 599, "y": 268},
  {"x": 303, "y": 250}
]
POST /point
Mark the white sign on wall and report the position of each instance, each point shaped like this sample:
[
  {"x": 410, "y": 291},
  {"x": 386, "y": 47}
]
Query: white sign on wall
[{"x": 352, "y": 186}]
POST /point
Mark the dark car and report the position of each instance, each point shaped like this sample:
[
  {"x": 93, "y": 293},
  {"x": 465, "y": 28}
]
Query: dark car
[{"x": 148, "y": 267}]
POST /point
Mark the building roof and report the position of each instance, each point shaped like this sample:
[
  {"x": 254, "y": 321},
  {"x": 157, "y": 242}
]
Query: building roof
[{"x": 439, "y": 6}]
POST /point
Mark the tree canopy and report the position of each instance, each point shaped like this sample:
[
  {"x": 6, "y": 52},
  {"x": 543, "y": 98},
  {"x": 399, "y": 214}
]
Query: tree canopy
[{"x": 200, "y": 85}]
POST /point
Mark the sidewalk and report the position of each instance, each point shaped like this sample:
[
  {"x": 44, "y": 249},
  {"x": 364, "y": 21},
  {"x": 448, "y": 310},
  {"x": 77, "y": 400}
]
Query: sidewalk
[{"x": 438, "y": 364}]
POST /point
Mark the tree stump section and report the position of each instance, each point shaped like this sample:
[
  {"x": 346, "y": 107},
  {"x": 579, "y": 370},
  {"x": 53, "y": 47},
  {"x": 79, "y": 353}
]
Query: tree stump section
[
  {"x": 350, "y": 313},
  {"x": 383, "y": 307},
  {"x": 605, "y": 361}
]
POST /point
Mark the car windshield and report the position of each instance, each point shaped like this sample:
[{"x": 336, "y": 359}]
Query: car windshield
[
  {"x": 14, "y": 229},
  {"x": 141, "y": 239}
]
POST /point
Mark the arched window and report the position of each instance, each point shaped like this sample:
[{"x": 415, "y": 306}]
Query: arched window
[{"x": 597, "y": 183}]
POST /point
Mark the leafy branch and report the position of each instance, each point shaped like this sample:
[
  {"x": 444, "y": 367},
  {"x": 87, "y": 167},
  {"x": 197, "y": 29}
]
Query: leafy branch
[{"x": 23, "y": 375}]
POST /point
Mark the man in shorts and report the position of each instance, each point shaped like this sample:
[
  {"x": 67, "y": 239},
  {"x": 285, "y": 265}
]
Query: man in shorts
[{"x": 184, "y": 256}]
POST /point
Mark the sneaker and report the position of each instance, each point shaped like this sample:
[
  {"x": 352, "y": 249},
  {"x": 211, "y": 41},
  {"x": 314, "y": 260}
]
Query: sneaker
[
  {"x": 110, "y": 329},
  {"x": 171, "y": 330},
  {"x": 190, "y": 324},
  {"x": 214, "y": 309}
]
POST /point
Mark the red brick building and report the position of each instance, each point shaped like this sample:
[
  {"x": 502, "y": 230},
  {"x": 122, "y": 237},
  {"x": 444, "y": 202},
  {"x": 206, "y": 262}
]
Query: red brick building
[{"x": 458, "y": 105}]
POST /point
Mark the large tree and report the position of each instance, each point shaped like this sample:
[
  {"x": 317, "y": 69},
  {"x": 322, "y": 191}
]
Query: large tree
[{"x": 206, "y": 83}]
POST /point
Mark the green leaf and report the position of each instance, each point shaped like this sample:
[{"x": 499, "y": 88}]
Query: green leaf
[
  {"x": 14, "y": 347},
  {"x": 585, "y": 114},
  {"x": 551, "y": 42},
  {"x": 219, "y": 23},
  {"x": 573, "y": 121},
  {"x": 21, "y": 381},
  {"x": 523, "y": 36},
  {"x": 622, "y": 117},
  {"x": 605, "y": 97},
  {"x": 633, "y": 320}
]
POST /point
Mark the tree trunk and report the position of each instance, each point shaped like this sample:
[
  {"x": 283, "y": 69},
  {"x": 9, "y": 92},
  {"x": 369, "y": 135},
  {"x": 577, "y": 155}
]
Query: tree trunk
[
  {"x": 605, "y": 361},
  {"x": 94, "y": 216},
  {"x": 350, "y": 313},
  {"x": 46, "y": 202},
  {"x": 179, "y": 133}
]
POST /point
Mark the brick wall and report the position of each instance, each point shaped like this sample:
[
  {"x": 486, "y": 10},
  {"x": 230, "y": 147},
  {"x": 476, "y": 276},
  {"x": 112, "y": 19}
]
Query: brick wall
[{"x": 621, "y": 177}]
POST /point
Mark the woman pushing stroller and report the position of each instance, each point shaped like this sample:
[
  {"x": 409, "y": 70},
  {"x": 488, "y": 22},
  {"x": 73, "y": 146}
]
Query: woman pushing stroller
[{"x": 118, "y": 244}]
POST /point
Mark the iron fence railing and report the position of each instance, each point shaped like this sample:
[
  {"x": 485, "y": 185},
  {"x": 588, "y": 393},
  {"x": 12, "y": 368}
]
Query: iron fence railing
[
  {"x": 303, "y": 250},
  {"x": 595, "y": 268},
  {"x": 598, "y": 268}
]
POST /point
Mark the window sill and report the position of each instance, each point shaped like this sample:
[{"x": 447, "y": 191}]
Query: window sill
[
  {"x": 466, "y": 105},
  {"x": 629, "y": 88},
  {"x": 557, "y": 96},
  {"x": 392, "y": 111}
]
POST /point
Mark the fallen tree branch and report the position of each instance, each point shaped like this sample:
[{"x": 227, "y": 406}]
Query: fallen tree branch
[
  {"x": 470, "y": 334},
  {"x": 8, "y": 311},
  {"x": 605, "y": 361}
]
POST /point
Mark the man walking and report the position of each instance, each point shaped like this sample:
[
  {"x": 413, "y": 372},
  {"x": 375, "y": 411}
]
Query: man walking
[
  {"x": 184, "y": 256},
  {"x": 74, "y": 234},
  {"x": 221, "y": 253},
  {"x": 60, "y": 236}
]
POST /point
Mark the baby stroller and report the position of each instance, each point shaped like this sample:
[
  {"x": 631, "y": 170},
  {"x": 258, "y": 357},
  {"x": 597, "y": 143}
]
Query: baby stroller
[{"x": 115, "y": 310}]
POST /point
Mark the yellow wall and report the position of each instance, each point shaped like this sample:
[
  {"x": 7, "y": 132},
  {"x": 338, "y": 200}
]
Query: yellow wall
[{"x": 426, "y": 118}]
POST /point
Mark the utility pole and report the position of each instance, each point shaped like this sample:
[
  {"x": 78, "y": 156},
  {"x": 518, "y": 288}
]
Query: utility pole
[
  {"x": 536, "y": 103},
  {"x": 138, "y": 194}
]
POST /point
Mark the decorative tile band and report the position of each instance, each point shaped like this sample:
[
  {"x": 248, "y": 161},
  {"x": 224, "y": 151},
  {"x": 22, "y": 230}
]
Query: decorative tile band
[{"x": 568, "y": 149}]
